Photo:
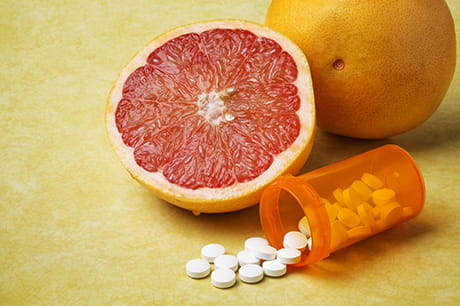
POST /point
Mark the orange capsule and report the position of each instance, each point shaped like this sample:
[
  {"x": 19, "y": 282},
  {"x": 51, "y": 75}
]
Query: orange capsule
[
  {"x": 383, "y": 196},
  {"x": 348, "y": 217}
]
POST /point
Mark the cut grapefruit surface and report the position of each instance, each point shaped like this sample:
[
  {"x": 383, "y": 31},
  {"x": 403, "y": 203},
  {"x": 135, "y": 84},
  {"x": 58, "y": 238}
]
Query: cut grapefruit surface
[{"x": 209, "y": 113}]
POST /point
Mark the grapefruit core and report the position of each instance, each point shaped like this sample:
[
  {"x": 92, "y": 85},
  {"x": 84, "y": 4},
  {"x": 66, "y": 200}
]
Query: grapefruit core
[{"x": 208, "y": 114}]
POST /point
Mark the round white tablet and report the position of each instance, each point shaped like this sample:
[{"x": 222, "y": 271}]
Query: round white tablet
[
  {"x": 197, "y": 268},
  {"x": 251, "y": 273},
  {"x": 288, "y": 256},
  {"x": 246, "y": 257},
  {"x": 304, "y": 226},
  {"x": 226, "y": 262},
  {"x": 211, "y": 251},
  {"x": 254, "y": 242},
  {"x": 264, "y": 252},
  {"x": 274, "y": 268},
  {"x": 223, "y": 278},
  {"x": 295, "y": 240}
]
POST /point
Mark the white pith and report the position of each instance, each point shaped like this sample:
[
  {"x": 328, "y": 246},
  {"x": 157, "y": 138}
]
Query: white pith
[{"x": 211, "y": 106}]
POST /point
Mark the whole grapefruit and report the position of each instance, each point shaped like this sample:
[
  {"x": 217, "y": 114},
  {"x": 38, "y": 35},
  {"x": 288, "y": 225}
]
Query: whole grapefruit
[{"x": 379, "y": 67}]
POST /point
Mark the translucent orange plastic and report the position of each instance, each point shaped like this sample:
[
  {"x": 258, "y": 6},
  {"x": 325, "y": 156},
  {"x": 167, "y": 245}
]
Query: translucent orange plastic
[{"x": 344, "y": 202}]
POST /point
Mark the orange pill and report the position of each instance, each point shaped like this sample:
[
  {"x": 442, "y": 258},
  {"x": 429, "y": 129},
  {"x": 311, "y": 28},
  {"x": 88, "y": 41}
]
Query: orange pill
[
  {"x": 351, "y": 198},
  {"x": 366, "y": 215},
  {"x": 363, "y": 190},
  {"x": 359, "y": 232},
  {"x": 391, "y": 213},
  {"x": 338, "y": 195},
  {"x": 348, "y": 217},
  {"x": 325, "y": 201},
  {"x": 376, "y": 211},
  {"x": 408, "y": 211},
  {"x": 382, "y": 196},
  {"x": 338, "y": 234},
  {"x": 332, "y": 211},
  {"x": 371, "y": 180}
]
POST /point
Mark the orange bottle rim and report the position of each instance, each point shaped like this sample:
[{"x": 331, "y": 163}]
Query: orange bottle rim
[{"x": 313, "y": 208}]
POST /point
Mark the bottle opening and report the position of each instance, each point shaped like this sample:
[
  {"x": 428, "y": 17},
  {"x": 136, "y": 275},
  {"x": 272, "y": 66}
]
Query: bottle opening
[
  {"x": 284, "y": 204},
  {"x": 290, "y": 211}
]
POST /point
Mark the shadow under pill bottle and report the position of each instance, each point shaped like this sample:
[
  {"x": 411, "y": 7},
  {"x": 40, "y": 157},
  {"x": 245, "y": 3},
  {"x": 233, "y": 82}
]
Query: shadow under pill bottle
[{"x": 344, "y": 202}]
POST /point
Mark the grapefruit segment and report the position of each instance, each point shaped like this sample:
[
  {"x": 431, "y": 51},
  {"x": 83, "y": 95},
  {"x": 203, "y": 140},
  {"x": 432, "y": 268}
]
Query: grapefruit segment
[{"x": 209, "y": 113}]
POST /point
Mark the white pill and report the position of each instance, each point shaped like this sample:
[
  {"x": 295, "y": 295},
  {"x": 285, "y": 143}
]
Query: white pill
[
  {"x": 264, "y": 252},
  {"x": 288, "y": 256},
  {"x": 251, "y": 273},
  {"x": 295, "y": 240},
  {"x": 254, "y": 242},
  {"x": 226, "y": 262},
  {"x": 246, "y": 257},
  {"x": 211, "y": 251},
  {"x": 274, "y": 268},
  {"x": 304, "y": 227},
  {"x": 197, "y": 268},
  {"x": 309, "y": 244},
  {"x": 223, "y": 278}
]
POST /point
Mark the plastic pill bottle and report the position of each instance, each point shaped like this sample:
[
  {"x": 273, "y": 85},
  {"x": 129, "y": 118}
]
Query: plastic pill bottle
[{"x": 344, "y": 202}]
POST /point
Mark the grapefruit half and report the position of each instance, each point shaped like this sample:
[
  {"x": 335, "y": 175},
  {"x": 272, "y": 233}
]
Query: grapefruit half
[{"x": 208, "y": 114}]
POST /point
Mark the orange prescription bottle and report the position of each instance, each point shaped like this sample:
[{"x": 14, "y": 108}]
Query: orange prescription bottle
[{"x": 344, "y": 202}]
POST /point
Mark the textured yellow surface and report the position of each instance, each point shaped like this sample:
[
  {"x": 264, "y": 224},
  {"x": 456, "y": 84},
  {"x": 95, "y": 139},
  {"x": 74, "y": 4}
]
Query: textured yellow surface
[{"x": 75, "y": 229}]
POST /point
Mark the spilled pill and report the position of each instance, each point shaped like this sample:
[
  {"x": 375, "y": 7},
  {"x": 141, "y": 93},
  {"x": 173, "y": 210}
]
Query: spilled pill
[
  {"x": 274, "y": 268},
  {"x": 211, "y": 251},
  {"x": 296, "y": 240},
  {"x": 251, "y": 273},
  {"x": 254, "y": 242},
  {"x": 197, "y": 268},
  {"x": 226, "y": 261},
  {"x": 288, "y": 256},
  {"x": 223, "y": 278},
  {"x": 245, "y": 257},
  {"x": 264, "y": 252}
]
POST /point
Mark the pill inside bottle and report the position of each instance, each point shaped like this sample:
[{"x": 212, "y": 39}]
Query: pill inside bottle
[{"x": 343, "y": 203}]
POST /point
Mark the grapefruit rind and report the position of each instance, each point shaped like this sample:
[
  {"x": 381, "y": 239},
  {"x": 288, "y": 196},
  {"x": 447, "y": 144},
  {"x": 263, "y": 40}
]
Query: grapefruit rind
[{"x": 238, "y": 195}]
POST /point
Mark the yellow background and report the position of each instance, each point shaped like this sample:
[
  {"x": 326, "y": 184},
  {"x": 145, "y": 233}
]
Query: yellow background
[{"x": 75, "y": 229}]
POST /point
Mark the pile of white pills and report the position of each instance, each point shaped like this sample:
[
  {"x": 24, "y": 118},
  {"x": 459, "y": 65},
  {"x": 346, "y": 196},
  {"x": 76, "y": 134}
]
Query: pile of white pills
[{"x": 256, "y": 260}]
